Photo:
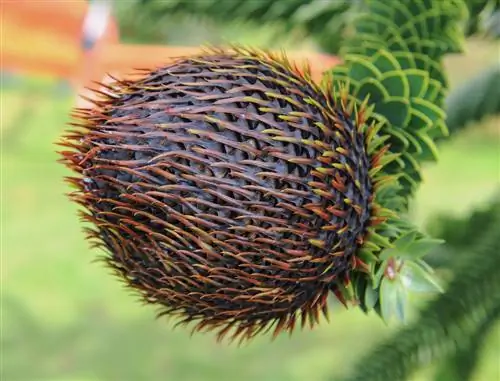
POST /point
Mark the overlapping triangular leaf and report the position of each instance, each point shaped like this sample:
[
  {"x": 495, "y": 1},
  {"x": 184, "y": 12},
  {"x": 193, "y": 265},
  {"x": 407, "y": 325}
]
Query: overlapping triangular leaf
[{"x": 393, "y": 59}]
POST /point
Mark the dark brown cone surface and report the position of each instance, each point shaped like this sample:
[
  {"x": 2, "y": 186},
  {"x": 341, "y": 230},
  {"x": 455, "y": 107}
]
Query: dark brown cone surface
[{"x": 227, "y": 188}]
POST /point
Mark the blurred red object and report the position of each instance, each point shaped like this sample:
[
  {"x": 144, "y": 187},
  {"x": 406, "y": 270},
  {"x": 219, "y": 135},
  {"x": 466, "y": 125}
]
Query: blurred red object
[{"x": 45, "y": 38}]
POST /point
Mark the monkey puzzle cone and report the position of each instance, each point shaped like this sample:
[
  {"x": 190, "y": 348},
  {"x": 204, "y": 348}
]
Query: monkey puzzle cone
[{"x": 229, "y": 189}]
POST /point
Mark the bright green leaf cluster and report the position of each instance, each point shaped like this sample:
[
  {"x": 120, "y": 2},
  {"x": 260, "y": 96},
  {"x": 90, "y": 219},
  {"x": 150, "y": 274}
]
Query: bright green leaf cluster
[
  {"x": 393, "y": 63},
  {"x": 394, "y": 58},
  {"x": 401, "y": 272}
]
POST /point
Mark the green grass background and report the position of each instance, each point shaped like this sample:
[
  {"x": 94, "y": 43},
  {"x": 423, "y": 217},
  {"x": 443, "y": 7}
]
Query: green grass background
[{"x": 65, "y": 318}]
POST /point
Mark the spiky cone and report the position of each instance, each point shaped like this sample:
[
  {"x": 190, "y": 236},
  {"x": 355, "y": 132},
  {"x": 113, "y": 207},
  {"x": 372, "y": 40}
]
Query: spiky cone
[{"x": 229, "y": 189}]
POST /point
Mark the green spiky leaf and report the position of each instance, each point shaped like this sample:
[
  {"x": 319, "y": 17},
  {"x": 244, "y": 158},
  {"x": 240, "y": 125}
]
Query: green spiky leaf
[
  {"x": 394, "y": 59},
  {"x": 403, "y": 45},
  {"x": 416, "y": 279}
]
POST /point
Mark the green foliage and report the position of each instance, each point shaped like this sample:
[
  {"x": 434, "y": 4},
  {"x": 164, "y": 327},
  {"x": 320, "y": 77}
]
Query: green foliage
[
  {"x": 323, "y": 20},
  {"x": 463, "y": 233},
  {"x": 393, "y": 62},
  {"x": 474, "y": 100},
  {"x": 462, "y": 365},
  {"x": 460, "y": 234},
  {"x": 451, "y": 322},
  {"x": 484, "y": 18},
  {"x": 394, "y": 57}
]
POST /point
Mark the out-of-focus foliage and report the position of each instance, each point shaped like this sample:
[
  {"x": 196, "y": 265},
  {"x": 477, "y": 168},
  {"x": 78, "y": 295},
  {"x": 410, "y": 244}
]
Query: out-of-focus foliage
[
  {"x": 451, "y": 325},
  {"x": 323, "y": 20},
  {"x": 463, "y": 233},
  {"x": 462, "y": 365},
  {"x": 463, "y": 236},
  {"x": 474, "y": 100},
  {"x": 139, "y": 24},
  {"x": 484, "y": 18}
]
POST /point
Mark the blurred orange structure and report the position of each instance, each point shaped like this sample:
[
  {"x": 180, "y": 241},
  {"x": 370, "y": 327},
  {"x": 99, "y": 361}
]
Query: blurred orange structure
[{"x": 45, "y": 38}]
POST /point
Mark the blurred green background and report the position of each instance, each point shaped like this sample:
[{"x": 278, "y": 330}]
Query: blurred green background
[{"x": 64, "y": 318}]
